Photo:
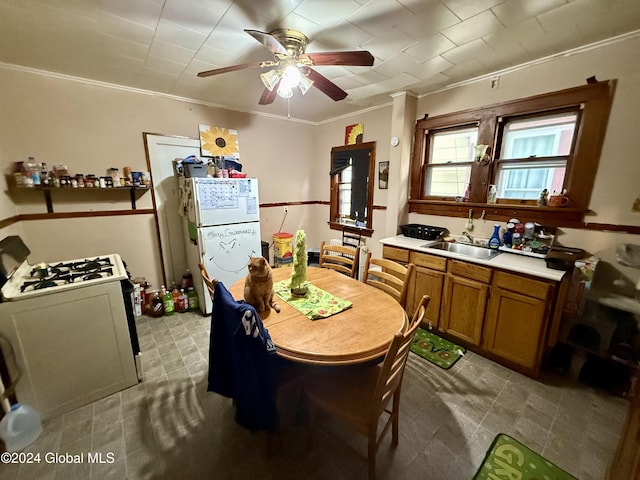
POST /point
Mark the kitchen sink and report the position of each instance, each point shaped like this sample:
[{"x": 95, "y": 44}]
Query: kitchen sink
[{"x": 473, "y": 251}]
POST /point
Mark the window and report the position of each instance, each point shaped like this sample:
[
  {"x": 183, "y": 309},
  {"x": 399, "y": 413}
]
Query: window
[
  {"x": 352, "y": 171},
  {"x": 550, "y": 141},
  {"x": 450, "y": 160},
  {"x": 344, "y": 188},
  {"x": 534, "y": 154}
]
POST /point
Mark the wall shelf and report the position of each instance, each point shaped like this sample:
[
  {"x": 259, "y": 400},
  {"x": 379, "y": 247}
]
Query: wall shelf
[{"x": 134, "y": 192}]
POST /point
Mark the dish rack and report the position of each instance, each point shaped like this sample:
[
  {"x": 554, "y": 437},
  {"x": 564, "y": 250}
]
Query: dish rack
[{"x": 423, "y": 232}]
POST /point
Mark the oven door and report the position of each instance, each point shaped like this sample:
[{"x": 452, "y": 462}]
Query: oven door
[{"x": 73, "y": 347}]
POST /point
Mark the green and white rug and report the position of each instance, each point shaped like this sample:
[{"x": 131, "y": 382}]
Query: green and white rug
[
  {"x": 507, "y": 458},
  {"x": 435, "y": 349}
]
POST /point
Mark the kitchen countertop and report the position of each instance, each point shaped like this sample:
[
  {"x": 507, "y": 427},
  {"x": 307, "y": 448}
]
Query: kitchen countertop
[{"x": 506, "y": 261}]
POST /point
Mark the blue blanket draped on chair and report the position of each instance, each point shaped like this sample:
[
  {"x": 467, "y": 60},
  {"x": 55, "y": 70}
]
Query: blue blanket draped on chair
[{"x": 243, "y": 361}]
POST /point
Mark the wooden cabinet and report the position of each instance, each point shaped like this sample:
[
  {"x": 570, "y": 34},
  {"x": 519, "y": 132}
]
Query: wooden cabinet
[
  {"x": 516, "y": 319},
  {"x": 626, "y": 464},
  {"x": 428, "y": 280},
  {"x": 505, "y": 316},
  {"x": 466, "y": 291}
]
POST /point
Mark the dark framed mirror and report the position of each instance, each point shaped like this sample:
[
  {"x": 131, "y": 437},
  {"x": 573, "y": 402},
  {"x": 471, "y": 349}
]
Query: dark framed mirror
[{"x": 352, "y": 177}]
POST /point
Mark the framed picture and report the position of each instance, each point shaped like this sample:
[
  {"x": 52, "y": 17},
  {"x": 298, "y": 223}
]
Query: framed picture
[{"x": 383, "y": 175}]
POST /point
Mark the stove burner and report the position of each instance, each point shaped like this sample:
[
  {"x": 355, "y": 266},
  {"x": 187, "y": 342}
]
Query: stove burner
[
  {"x": 89, "y": 265},
  {"x": 105, "y": 272},
  {"x": 45, "y": 284},
  {"x": 52, "y": 281}
]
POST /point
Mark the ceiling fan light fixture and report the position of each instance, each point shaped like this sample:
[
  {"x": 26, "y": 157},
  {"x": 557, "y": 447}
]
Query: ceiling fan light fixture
[
  {"x": 305, "y": 84},
  {"x": 291, "y": 76},
  {"x": 284, "y": 91},
  {"x": 270, "y": 79}
]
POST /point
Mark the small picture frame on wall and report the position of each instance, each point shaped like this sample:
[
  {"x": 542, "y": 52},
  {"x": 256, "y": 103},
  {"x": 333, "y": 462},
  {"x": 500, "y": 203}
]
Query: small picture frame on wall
[{"x": 383, "y": 175}]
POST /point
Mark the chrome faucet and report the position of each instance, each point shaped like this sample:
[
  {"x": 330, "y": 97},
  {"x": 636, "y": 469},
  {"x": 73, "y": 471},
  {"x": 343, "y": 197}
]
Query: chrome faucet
[{"x": 469, "y": 237}]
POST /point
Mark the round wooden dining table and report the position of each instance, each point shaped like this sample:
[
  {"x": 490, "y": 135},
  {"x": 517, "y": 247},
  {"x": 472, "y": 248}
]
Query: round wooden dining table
[{"x": 358, "y": 334}]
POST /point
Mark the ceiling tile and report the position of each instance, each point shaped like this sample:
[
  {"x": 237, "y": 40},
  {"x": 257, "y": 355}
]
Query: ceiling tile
[
  {"x": 387, "y": 43},
  {"x": 171, "y": 53},
  {"x": 161, "y": 64},
  {"x": 429, "y": 47},
  {"x": 117, "y": 45},
  {"x": 121, "y": 27},
  {"x": 174, "y": 34},
  {"x": 142, "y": 12},
  {"x": 197, "y": 15},
  {"x": 326, "y": 12},
  {"x": 475, "y": 49},
  {"x": 343, "y": 36},
  {"x": 474, "y": 27},
  {"x": 465, "y": 9},
  {"x": 516, "y": 11}
]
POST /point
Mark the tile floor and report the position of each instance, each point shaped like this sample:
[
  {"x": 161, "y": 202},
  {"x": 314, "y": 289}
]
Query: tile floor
[{"x": 170, "y": 427}]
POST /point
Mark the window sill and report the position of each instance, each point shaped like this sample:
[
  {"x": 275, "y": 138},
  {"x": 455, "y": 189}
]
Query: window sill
[
  {"x": 365, "y": 232},
  {"x": 548, "y": 216}
]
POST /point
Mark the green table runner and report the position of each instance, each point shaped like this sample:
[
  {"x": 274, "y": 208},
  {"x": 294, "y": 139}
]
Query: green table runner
[{"x": 315, "y": 304}]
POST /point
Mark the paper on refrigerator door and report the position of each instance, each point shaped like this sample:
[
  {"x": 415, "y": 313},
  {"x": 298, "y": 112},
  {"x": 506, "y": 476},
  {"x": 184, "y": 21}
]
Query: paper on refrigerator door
[{"x": 226, "y": 249}]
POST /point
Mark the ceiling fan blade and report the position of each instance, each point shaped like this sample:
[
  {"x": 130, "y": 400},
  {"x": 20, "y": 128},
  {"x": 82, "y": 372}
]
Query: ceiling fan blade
[
  {"x": 355, "y": 58},
  {"x": 268, "y": 96},
  {"x": 325, "y": 85},
  {"x": 268, "y": 40},
  {"x": 233, "y": 68}
]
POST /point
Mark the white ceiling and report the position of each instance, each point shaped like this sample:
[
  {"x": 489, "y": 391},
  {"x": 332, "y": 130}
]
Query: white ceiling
[{"x": 419, "y": 45}]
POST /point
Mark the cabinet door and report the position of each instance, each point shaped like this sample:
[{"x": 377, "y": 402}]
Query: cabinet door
[
  {"x": 463, "y": 308},
  {"x": 514, "y": 326},
  {"x": 427, "y": 282}
]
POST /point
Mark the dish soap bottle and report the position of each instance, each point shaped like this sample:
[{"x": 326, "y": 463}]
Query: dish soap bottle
[
  {"x": 493, "y": 193},
  {"x": 494, "y": 241}
]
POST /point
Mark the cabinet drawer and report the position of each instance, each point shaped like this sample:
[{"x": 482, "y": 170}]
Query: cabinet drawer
[
  {"x": 395, "y": 253},
  {"x": 526, "y": 286},
  {"x": 469, "y": 270},
  {"x": 429, "y": 261}
]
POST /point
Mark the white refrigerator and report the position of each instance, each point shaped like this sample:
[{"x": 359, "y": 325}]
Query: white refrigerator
[{"x": 222, "y": 225}]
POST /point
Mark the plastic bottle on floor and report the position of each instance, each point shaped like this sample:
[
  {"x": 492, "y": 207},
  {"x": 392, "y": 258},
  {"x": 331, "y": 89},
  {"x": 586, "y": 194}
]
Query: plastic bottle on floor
[{"x": 20, "y": 427}]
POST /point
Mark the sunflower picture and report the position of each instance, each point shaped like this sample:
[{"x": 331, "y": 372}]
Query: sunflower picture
[
  {"x": 353, "y": 134},
  {"x": 218, "y": 142}
]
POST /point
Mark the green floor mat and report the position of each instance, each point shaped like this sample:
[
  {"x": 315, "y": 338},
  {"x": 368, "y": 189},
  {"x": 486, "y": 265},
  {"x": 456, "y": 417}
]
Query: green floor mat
[
  {"x": 508, "y": 458},
  {"x": 437, "y": 350}
]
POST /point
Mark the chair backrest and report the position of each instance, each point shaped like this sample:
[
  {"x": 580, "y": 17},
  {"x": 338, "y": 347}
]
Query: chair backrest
[
  {"x": 392, "y": 371},
  {"x": 207, "y": 279},
  {"x": 340, "y": 258},
  {"x": 388, "y": 276}
]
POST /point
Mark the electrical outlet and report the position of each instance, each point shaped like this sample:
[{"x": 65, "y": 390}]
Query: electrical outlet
[{"x": 286, "y": 209}]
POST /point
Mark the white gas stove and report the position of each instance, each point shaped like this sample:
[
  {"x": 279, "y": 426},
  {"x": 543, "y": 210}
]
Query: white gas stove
[
  {"x": 72, "y": 327},
  {"x": 44, "y": 279}
]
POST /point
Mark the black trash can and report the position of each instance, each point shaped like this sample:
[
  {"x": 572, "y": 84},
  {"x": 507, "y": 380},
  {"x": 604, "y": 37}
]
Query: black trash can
[{"x": 265, "y": 250}]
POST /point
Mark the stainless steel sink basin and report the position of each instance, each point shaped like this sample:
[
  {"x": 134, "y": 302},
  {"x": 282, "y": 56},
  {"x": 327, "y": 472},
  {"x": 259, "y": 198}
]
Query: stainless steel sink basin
[{"x": 472, "y": 251}]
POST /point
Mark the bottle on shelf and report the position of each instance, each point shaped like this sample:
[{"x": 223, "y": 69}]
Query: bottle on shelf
[
  {"x": 494, "y": 241},
  {"x": 467, "y": 193},
  {"x": 493, "y": 193},
  {"x": 192, "y": 298},
  {"x": 157, "y": 305},
  {"x": 175, "y": 294},
  {"x": 169, "y": 307},
  {"x": 45, "y": 178},
  {"x": 187, "y": 279},
  {"x": 183, "y": 302}
]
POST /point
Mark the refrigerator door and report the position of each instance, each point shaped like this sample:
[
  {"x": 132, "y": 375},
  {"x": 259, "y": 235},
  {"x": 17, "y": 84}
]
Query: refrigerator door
[
  {"x": 221, "y": 201},
  {"x": 225, "y": 252}
]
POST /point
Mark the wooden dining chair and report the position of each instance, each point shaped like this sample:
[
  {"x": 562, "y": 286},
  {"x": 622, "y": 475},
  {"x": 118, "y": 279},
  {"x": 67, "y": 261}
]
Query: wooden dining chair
[
  {"x": 340, "y": 258},
  {"x": 389, "y": 276},
  {"x": 360, "y": 396},
  {"x": 207, "y": 279}
]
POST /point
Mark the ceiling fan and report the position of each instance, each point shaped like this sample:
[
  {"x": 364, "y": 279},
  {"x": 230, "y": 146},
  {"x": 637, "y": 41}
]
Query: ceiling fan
[{"x": 291, "y": 66}]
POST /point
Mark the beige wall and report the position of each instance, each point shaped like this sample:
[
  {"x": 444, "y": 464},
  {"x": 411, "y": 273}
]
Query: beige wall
[
  {"x": 617, "y": 183},
  {"x": 92, "y": 127}
]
